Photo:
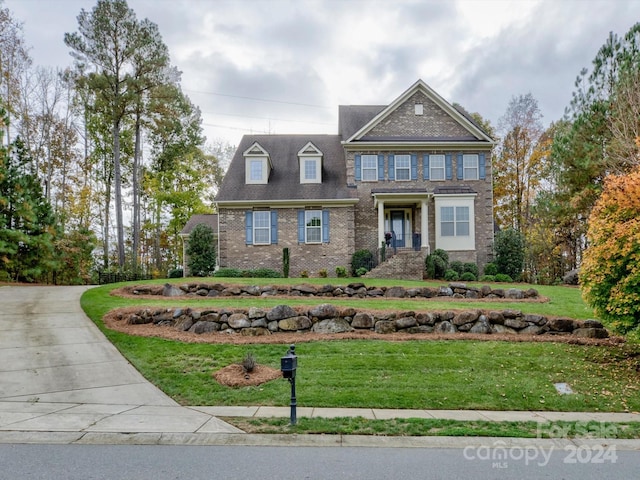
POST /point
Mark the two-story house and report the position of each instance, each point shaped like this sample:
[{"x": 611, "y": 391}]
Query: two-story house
[{"x": 418, "y": 170}]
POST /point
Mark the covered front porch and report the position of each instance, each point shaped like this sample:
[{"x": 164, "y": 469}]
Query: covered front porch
[{"x": 403, "y": 218}]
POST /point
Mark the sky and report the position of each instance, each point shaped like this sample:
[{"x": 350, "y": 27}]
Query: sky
[{"x": 284, "y": 66}]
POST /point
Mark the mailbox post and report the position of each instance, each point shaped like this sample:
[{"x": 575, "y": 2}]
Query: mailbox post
[{"x": 288, "y": 365}]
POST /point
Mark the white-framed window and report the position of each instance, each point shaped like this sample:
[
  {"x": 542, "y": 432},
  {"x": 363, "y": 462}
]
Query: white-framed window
[
  {"x": 454, "y": 221},
  {"x": 470, "y": 167},
  {"x": 436, "y": 167},
  {"x": 262, "y": 227},
  {"x": 310, "y": 170},
  {"x": 313, "y": 226},
  {"x": 369, "y": 168},
  {"x": 403, "y": 167},
  {"x": 455, "y": 225},
  {"x": 255, "y": 170}
]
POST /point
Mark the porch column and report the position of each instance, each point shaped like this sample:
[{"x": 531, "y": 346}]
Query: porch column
[
  {"x": 380, "y": 223},
  {"x": 424, "y": 225}
]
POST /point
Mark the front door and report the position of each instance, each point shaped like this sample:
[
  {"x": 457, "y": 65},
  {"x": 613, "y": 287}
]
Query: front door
[{"x": 397, "y": 228}]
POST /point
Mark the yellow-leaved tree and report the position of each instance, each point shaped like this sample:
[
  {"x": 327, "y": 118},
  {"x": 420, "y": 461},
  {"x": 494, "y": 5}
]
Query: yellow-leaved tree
[{"x": 610, "y": 272}]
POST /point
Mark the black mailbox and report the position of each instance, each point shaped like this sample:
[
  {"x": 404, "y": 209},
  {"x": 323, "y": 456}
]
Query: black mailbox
[{"x": 289, "y": 363}]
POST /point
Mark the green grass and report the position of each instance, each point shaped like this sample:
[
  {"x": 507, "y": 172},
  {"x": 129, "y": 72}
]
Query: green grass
[
  {"x": 436, "y": 427},
  {"x": 381, "y": 374}
]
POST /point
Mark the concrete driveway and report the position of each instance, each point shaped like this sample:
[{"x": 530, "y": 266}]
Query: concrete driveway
[{"x": 59, "y": 373}]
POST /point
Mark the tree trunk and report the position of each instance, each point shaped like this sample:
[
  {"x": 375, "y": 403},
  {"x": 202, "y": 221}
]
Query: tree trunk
[
  {"x": 136, "y": 196},
  {"x": 118, "y": 192}
]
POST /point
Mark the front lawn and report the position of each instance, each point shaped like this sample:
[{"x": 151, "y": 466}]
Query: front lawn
[{"x": 416, "y": 374}]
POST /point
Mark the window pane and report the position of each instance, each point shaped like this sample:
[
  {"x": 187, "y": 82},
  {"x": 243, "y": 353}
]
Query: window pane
[
  {"x": 255, "y": 168},
  {"x": 446, "y": 214},
  {"x": 313, "y": 221},
  {"x": 310, "y": 170},
  {"x": 462, "y": 214},
  {"x": 369, "y": 167},
  {"x": 403, "y": 167},
  {"x": 436, "y": 167},
  {"x": 262, "y": 227},
  {"x": 470, "y": 163},
  {"x": 447, "y": 225}
]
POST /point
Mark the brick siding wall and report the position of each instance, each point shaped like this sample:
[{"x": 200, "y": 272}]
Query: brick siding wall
[{"x": 234, "y": 253}]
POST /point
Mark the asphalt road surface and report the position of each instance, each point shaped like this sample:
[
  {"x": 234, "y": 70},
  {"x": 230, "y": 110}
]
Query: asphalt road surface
[{"x": 100, "y": 462}]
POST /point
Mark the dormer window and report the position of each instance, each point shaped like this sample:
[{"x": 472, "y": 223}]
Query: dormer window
[
  {"x": 310, "y": 161},
  {"x": 257, "y": 165}
]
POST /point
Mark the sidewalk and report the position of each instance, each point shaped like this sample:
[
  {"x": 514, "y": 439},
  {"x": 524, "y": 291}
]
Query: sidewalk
[{"x": 67, "y": 423}]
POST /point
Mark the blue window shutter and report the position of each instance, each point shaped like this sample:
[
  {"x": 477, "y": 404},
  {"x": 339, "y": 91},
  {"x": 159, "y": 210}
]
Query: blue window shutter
[
  {"x": 414, "y": 166},
  {"x": 249, "y": 227},
  {"x": 358, "y": 172},
  {"x": 300, "y": 226},
  {"x": 448, "y": 167},
  {"x": 325, "y": 226},
  {"x": 460, "y": 167},
  {"x": 274, "y": 226},
  {"x": 392, "y": 167},
  {"x": 380, "y": 167},
  {"x": 425, "y": 167},
  {"x": 482, "y": 167}
]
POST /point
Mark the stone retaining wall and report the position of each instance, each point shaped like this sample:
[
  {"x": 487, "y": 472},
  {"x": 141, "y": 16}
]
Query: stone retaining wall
[
  {"x": 359, "y": 290},
  {"x": 327, "y": 318}
]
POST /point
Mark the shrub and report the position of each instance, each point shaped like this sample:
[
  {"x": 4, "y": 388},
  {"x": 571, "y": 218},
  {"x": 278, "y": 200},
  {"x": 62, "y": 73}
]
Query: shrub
[
  {"x": 285, "y": 262},
  {"x": 457, "y": 266},
  {"x": 263, "y": 273},
  {"x": 176, "y": 273},
  {"x": 490, "y": 269},
  {"x": 341, "y": 272},
  {"x": 470, "y": 267},
  {"x": 451, "y": 275},
  {"x": 487, "y": 278},
  {"x": 248, "y": 363},
  {"x": 361, "y": 271},
  {"x": 362, "y": 259},
  {"x": 610, "y": 270},
  {"x": 322, "y": 273},
  {"x": 304, "y": 274},
  {"x": 468, "y": 277},
  {"x": 436, "y": 264},
  {"x": 228, "y": 272},
  {"x": 503, "y": 277},
  {"x": 201, "y": 251},
  {"x": 509, "y": 247}
]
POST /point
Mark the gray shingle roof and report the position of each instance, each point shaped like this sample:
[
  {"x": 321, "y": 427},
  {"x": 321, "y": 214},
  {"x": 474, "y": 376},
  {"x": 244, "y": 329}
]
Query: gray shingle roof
[
  {"x": 208, "y": 219},
  {"x": 284, "y": 181},
  {"x": 452, "y": 190},
  {"x": 352, "y": 118}
]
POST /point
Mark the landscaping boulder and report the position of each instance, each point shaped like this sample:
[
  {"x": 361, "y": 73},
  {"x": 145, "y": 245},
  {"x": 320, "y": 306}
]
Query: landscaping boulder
[
  {"x": 171, "y": 291},
  {"x": 326, "y": 310},
  {"x": 362, "y": 320},
  {"x": 294, "y": 324},
  {"x": 281, "y": 312},
  {"x": 332, "y": 325},
  {"x": 238, "y": 320}
]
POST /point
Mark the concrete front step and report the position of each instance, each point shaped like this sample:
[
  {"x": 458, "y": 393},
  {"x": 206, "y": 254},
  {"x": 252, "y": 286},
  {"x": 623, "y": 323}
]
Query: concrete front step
[{"x": 406, "y": 264}]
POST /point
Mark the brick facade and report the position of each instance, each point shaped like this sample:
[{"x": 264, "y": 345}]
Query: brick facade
[{"x": 235, "y": 253}]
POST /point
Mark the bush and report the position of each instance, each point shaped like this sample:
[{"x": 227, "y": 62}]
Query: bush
[
  {"x": 509, "y": 247},
  {"x": 490, "y": 269},
  {"x": 362, "y": 259},
  {"x": 201, "y": 251},
  {"x": 361, "y": 271},
  {"x": 436, "y": 264},
  {"x": 263, "y": 273},
  {"x": 487, "y": 278},
  {"x": 322, "y": 273},
  {"x": 470, "y": 267},
  {"x": 176, "y": 273},
  {"x": 341, "y": 272},
  {"x": 304, "y": 274},
  {"x": 285, "y": 262},
  {"x": 457, "y": 266},
  {"x": 228, "y": 272},
  {"x": 610, "y": 270},
  {"x": 451, "y": 275},
  {"x": 468, "y": 277},
  {"x": 503, "y": 277}
]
